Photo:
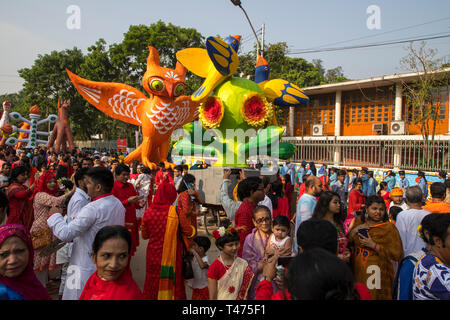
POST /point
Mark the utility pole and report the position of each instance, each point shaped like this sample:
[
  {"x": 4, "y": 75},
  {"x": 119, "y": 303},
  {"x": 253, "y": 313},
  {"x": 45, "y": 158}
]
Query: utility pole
[{"x": 262, "y": 40}]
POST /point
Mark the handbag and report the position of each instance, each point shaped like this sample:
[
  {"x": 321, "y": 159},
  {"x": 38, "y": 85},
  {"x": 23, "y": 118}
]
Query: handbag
[
  {"x": 41, "y": 238},
  {"x": 187, "y": 271}
]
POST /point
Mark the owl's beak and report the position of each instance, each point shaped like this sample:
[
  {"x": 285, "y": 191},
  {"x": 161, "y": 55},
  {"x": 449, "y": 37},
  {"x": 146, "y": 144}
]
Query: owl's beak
[{"x": 169, "y": 87}]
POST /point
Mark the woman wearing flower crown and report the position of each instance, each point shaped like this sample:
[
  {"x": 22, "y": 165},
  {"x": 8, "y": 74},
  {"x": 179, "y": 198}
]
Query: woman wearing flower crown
[{"x": 229, "y": 277}]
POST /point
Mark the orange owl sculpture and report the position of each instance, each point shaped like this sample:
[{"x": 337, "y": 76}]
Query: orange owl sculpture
[{"x": 159, "y": 114}]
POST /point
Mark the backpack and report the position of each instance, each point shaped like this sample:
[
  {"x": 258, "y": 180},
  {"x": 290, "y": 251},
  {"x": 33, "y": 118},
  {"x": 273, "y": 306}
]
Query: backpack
[{"x": 413, "y": 257}]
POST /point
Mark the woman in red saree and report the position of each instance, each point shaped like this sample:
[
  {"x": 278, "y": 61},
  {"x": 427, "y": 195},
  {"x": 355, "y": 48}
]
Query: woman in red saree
[
  {"x": 356, "y": 200},
  {"x": 280, "y": 202},
  {"x": 385, "y": 194},
  {"x": 113, "y": 279},
  {"x": 229, "y": 276},
  {"x": 187, "y": 198},
  {"x": 162, "y": 226},
  {"x": 20, "y": 206}
]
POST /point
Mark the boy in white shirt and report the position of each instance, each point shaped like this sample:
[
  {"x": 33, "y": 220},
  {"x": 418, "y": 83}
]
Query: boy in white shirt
[{"x": 200, "y": 265}]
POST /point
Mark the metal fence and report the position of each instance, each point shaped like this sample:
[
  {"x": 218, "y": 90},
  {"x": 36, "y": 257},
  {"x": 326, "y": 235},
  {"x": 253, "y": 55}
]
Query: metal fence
[{"x": 401, "y": 154}]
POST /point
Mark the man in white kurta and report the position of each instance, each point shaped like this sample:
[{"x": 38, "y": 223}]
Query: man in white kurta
[
  {"x": 104, "y": 210},
  {"x": 77, "y": 202}
]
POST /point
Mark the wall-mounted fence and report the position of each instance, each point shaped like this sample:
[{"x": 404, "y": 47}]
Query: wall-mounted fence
[{"x": 379, "y": 152}]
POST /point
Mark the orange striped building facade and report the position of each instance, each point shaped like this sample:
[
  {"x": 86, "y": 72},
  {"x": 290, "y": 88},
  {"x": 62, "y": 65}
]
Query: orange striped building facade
[{"x": 362, "y": 108}]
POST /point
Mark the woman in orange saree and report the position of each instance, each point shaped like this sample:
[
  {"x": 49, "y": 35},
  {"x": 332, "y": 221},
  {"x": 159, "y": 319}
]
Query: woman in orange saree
[{"x": 377, "y": 248}]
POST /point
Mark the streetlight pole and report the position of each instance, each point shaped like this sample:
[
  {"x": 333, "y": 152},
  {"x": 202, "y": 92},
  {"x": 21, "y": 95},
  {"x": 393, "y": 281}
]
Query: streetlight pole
[{"x": 237, "y": 3}]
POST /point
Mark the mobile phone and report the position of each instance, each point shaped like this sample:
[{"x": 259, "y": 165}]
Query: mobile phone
[
  {"x": 189, "y": 186},
  {"x": 285, "y": 261},
  {"x": 364, "y": 232}
]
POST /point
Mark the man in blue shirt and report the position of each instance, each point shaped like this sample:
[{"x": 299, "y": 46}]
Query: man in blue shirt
[
  {"x": 403, "y": 182},
  {"x": 365, "y": 180},
  {"x": 301, "y": 173},
  {"x": 339, "y": 188},
  {"x": 284, "y": 169},
  {"x": 371, "y": 185},
  {"x": 390, "y": 180},
  {"x": 423, "y": 184},
  {"x": 307, "y": 202}
]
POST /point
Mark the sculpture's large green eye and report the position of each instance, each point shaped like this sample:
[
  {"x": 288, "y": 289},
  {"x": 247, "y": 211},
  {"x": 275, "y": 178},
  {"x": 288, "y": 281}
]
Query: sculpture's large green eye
[
  {"x": 156, "y": 85},
  {"x": 179, "y": 89}
]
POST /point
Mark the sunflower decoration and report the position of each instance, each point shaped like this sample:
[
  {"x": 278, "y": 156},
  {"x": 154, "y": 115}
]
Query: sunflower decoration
[
  {"x": 256, "y": 110},
  {"x": 211, "y": 112}
]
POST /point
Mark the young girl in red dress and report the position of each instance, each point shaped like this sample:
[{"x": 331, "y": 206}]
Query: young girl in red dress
[{"x": 229, "y": 277}]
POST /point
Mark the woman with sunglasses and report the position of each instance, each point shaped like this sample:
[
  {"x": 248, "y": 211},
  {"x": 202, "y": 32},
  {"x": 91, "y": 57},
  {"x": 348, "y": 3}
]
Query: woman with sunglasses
[{"x": 254, "y": 251}]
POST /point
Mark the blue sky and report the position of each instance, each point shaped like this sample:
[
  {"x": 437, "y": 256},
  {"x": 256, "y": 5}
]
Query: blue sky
[{"x": 29, "y": 28}]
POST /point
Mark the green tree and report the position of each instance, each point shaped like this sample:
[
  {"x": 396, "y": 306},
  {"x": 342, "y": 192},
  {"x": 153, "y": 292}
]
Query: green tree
[
  {"x": 46, "y": 80},
  {"x": 296, "y": 70},
  {"x": 130, "y": 55},
  {"x": 421, "y": 93},
  {"x": 335, "y": 75}
]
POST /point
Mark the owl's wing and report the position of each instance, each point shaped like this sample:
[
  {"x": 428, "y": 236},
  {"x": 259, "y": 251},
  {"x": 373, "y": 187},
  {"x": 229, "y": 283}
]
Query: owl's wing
[
  {"x": 117, "y": 100},
  {"x": 195, "y": 60},
  {"x": 187, "y": 110},
  {"x": 284, "y": 93}
]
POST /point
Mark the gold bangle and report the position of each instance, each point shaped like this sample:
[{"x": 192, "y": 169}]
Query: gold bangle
[{"x": 193, "y": 232}]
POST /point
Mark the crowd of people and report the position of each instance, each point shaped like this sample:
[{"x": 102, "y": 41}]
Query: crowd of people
[{"x": 303, "y": 233}]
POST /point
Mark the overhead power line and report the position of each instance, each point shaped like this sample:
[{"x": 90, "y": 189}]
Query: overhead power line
[
  {"x": 368, "y": 45},
  {"x": 382, "y": 33}
]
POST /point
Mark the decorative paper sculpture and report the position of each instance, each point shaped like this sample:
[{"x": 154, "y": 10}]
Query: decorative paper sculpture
[
  {"x": 23, "y": 135},
  {"x": 4, "y": 122},
  {"x": 234, "y": 108},
  {"x": 5, "y": 115},
  {"x": 32, "y": 133},
  {"x": 61, "y": 134},
  {"x": 280, "y": 92},
  {"x": 159, "y": 115},
  {"x": 218, "y": 62}
]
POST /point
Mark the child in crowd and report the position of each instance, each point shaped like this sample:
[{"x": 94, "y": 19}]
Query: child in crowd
[
  {"x": 200, "y": 265},
  {"x": 397, "y": 199},
  {"x": 393, "y": 213},
  {"x": 279, "y": 241},
  {"x": 229, "y": 277}
]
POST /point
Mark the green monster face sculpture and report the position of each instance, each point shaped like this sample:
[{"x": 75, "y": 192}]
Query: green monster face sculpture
[{"x": 234, "y": 113}]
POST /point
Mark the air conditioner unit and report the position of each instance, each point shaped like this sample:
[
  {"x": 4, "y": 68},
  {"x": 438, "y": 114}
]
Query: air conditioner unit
[
  {"x": 397, "y": 127},
  {"x": 378, "y": 127},
  {"x": 317, "y": 130}
]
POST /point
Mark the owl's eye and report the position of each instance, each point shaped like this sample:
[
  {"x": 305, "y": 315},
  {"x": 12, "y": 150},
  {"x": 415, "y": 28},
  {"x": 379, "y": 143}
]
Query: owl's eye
[
  {"x": 179, "y": 89},
  {"x": 156, "y": 85}
]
